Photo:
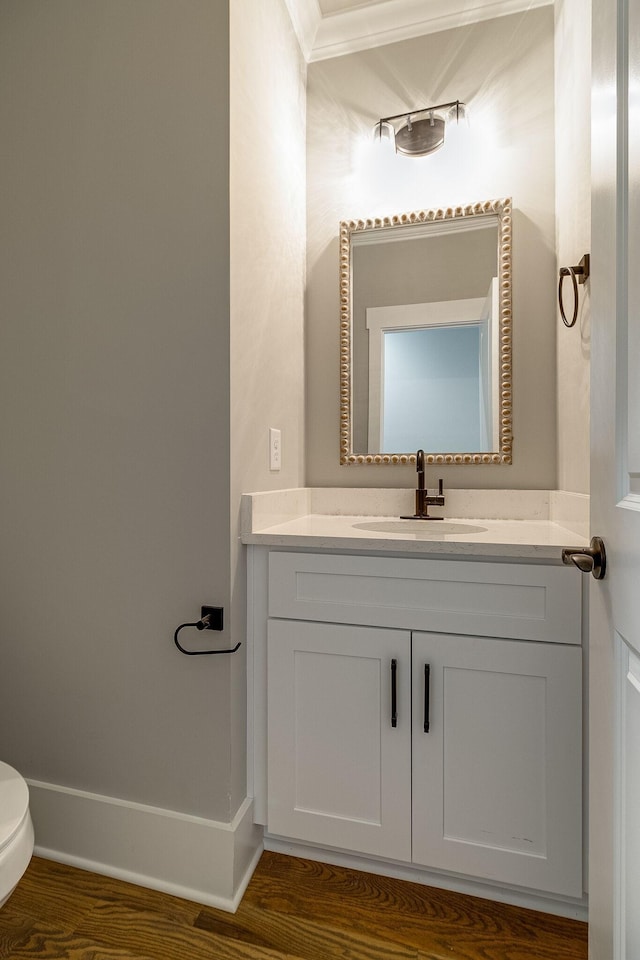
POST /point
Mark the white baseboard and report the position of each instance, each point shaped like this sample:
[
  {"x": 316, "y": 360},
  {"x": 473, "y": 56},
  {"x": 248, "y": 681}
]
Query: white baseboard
[
  {"x": 529, "y": 900},
  {"x": 191, "y": 857}
]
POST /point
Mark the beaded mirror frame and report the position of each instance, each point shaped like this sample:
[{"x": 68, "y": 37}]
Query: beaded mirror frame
[{"x": 501, "y": 210}]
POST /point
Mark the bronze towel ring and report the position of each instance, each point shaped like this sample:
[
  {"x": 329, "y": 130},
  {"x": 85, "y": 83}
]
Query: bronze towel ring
[{"x": 578, "y": 274}]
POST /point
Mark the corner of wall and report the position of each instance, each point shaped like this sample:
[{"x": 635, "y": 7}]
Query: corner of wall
[{"x": 191, "y": 857}]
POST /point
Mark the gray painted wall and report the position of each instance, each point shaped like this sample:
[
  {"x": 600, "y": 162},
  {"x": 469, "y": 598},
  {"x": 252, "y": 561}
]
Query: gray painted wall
[
  {"x": 139, "y": 373},
  {"x": 504, "y": 70},
  {"x": 114, "y": 395}
]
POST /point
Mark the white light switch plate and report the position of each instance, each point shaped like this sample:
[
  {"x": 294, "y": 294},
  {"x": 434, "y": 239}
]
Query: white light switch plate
[{"x": 275, "y": 449}]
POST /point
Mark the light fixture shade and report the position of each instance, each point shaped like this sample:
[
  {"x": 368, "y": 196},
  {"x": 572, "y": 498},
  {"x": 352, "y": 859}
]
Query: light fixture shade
[
  {"x": 418, "y": 138},
  {"x": 458, "y": 112},
  {"x": 383, "y": 132}
]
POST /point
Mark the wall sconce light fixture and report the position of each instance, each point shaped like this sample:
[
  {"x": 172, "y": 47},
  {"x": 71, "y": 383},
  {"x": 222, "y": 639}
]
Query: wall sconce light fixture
[{"x": 419, "y": 132}]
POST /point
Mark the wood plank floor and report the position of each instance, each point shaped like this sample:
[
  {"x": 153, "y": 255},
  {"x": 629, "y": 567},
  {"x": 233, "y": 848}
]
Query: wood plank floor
[{"x": 293, "y": 910}]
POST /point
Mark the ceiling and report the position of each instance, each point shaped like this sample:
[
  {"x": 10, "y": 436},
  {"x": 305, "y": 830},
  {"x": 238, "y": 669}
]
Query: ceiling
[
  {"x": 330, "y": 28},
  {"x": 339, "y": 6}
]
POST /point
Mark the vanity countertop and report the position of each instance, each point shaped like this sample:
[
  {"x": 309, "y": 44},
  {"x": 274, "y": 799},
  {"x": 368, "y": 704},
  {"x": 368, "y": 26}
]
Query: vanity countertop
[
  {"x": 354, "y": 519},
  {"x": 513, "y": 539}
]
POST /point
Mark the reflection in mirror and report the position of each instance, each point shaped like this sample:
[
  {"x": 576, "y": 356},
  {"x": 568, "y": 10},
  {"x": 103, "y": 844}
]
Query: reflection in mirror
[{"x": 426, "y": 336}]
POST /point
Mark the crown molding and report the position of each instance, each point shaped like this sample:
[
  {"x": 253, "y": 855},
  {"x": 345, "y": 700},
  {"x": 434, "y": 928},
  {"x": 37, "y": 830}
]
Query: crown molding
[
  {"x": 373, "y": 25},
  {"x": 306, "y": 17}
]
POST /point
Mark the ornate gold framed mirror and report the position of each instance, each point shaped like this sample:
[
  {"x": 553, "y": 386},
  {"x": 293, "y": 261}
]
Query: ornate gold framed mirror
[{"x": 425, "y": 336}]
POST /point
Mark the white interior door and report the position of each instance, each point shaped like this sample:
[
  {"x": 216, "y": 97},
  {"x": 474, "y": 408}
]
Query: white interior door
[{"x": 614, "y": 729}]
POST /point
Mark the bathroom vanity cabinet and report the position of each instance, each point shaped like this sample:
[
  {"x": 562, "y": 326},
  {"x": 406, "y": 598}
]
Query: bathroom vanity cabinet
[{"x": 421, "y": 711}]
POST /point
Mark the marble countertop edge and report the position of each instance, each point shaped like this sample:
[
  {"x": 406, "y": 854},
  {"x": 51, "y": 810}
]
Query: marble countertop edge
[{"x": 455, "y": 537}]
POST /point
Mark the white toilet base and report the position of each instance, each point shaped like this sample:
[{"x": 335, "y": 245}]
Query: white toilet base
[{"x": 15, "y": 857}]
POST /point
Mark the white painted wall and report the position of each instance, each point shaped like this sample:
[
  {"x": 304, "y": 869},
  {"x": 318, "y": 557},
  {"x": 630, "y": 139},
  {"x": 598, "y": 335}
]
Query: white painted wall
[
  {"x": 503, "y": 69},
  {"x": 573, "y": 234},
  {"x": 268, "y": 129}
]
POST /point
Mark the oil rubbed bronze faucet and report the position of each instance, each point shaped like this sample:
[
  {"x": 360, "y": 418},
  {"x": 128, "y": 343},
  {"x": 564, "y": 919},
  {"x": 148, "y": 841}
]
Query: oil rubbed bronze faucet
[{"x": 423, "y": 500}]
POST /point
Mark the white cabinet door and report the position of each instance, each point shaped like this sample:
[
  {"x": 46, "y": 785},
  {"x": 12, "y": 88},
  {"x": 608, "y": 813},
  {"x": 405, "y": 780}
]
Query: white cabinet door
[
  {"x": 497, "y": 777},
  {"x": 339, "y": 764}
]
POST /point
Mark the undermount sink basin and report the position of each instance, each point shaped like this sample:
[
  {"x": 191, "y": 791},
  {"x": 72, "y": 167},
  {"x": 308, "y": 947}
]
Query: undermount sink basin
[{"x": 426, "y": 528}]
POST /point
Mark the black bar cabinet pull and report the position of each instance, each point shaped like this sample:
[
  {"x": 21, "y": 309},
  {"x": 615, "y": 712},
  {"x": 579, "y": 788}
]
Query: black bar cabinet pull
[
  {"x": 394, "y": 694},
  {"x": 427, "y": 677}
]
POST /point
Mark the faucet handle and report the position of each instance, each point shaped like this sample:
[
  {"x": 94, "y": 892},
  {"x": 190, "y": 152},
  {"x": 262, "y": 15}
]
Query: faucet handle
[{"x": 437, "y": 500}]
